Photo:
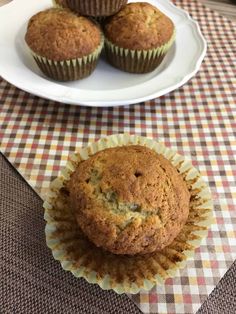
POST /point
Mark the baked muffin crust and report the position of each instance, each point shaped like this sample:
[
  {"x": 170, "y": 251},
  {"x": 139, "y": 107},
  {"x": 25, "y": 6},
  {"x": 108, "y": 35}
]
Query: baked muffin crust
[
  {"x": 129, "y": 200},
  {"x": 61, "y": 3},
  {"x": 59, "y": 34},
  {"x": 139, "y": 26}
]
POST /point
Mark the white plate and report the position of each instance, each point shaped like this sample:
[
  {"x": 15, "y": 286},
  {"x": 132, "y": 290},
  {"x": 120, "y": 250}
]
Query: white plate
[{"x": 107, "y": 86}]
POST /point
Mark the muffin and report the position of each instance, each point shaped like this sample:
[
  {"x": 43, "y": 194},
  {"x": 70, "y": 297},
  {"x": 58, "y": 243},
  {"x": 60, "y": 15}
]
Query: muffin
[
  {"x": 124, "y": 273},
  {"x": 138, "y": 37},
  {"x": 64, "y": 45},
  {"x": 129, "y": 200},
  {"x": 95, "y": 8}
]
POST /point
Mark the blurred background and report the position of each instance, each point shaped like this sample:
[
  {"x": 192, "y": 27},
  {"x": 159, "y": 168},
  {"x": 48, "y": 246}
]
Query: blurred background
[{"x": 224, "y": 7}]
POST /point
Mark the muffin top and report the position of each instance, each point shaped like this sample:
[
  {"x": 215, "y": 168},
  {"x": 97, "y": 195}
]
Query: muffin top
[
  {"x": 129, "y": 199},
  {"x": 61, "y": 3},
  {"x": 58, "y": 34},
  {"x": 139, "y": 26}
]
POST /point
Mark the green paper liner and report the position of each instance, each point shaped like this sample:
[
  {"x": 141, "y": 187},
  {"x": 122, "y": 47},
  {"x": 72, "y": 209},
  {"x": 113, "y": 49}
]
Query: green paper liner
[
  {"x": 69, "y": 70},
  {"x": 96, "y": 8},
  {"x": 136, "y": 61},
  {"x": 124, "y": 274}
]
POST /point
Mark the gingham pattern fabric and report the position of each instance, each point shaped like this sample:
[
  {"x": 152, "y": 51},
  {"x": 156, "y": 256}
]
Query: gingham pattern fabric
[{"x": 198, "y": 120}]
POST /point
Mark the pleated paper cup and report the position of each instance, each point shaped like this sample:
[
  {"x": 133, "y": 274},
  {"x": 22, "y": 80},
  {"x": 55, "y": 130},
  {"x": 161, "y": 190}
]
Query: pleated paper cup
[
  {"x": 136, "y": 61},
  {"x": 63, "y": 4},
  {"x": 59, "y": 3},
  {"x": 69, "y": 70},
  {"x": 124, "y": 274},
  {"x": 95, "y": 8}
]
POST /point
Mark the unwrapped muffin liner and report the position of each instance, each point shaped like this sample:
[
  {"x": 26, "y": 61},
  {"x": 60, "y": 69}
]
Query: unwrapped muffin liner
[
  {"x": 69, "y": 70},
  {"x": 136, "y": 61},
  {"x": 123, "y": 273}
]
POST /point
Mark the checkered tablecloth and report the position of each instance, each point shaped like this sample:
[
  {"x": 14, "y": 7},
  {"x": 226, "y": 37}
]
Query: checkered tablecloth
[{"x": 198, "y": 120}]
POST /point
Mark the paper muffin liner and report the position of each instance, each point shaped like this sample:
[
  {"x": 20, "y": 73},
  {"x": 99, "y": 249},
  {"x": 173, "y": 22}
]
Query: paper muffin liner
[
  {"x": 62, "y": 4},
  {"x": 136, "y": 61},
  {"x": 95, "y": 8},
  {"x": 123, "y": 273},
  {"x": 69, "y": 70}
]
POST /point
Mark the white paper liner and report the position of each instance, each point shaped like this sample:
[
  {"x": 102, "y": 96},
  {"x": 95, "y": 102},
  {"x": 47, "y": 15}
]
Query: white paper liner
[{"x": 109, "y": 271}]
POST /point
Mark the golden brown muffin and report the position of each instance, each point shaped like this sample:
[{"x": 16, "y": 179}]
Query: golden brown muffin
[
  {"x": 138, "y": 37},
  {"x": 129, "y": 200},
  {"x": 60, "y": 36}
]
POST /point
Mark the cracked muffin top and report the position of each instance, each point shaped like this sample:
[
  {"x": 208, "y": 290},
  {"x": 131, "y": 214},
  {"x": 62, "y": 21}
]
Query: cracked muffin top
[
  {"x": 59, "y": 34},
  {"x": 129, "y": 200},
  {"x": 139, "y": 26}
]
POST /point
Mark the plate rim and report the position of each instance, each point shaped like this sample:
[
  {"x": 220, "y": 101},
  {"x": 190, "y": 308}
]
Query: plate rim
[{"x": 130, "y": 100}]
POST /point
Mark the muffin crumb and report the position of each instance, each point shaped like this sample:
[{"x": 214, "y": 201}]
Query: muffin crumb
[{"x": 129, "y": 200}]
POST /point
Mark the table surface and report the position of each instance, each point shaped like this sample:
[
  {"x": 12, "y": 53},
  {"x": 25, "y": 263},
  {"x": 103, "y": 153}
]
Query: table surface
[{"x": 198, "y": 120}]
